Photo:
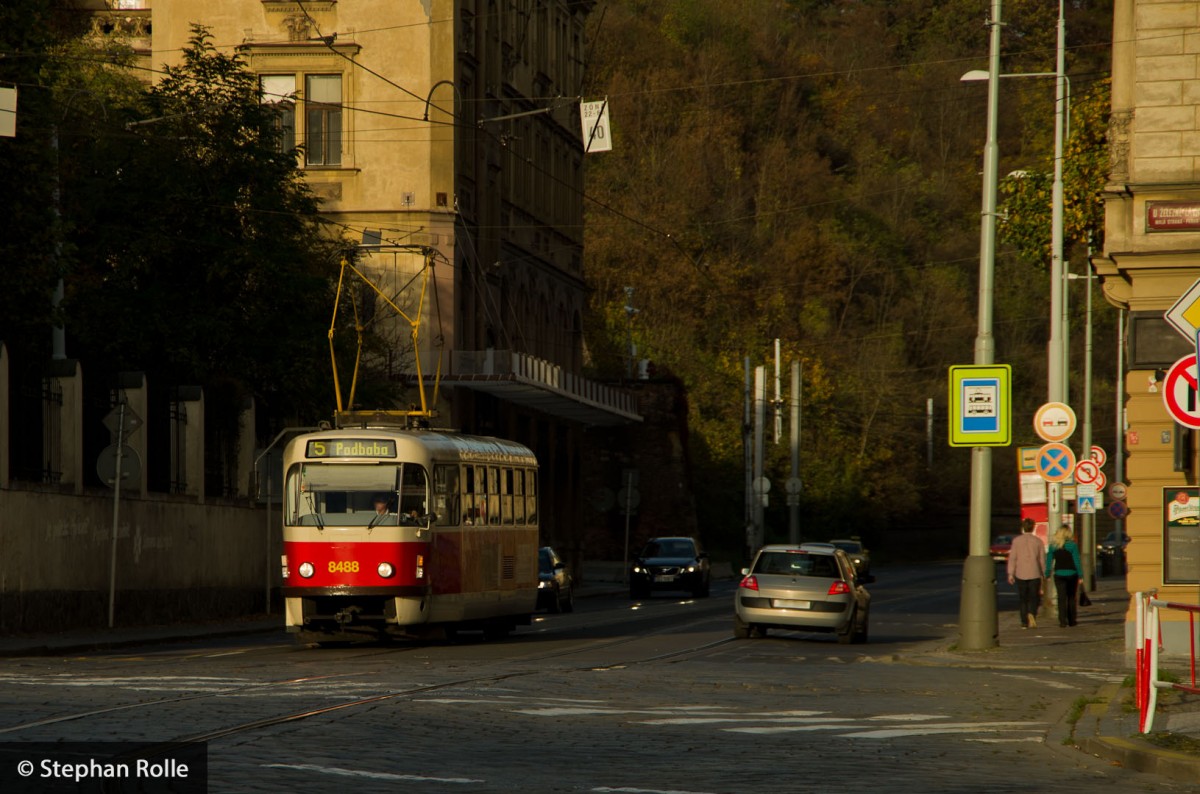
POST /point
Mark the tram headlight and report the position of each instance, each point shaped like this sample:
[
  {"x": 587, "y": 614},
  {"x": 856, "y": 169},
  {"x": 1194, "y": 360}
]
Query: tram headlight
[
  {"x": 306, "y": 570},
  {"x": 386, "y": 570}
]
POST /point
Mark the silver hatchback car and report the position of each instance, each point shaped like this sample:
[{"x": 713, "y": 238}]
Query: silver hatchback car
[{"x": 802, "y": 588}]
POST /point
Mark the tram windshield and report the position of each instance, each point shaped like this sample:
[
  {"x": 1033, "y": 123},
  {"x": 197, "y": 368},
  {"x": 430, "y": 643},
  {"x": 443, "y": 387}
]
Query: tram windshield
[{"x": 323, "y": 494}]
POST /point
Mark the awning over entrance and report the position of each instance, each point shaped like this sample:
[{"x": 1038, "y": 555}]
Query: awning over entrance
[{"x": 536, "y": 383}]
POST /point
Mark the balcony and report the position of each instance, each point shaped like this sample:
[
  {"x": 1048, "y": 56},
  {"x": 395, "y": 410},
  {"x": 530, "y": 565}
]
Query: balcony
[{"x": 536, "y": 383}]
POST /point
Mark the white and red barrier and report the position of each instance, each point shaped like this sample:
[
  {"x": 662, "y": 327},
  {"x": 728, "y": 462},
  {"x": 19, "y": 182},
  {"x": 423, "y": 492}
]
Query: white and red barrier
[{"x": 1149, "y": 632}]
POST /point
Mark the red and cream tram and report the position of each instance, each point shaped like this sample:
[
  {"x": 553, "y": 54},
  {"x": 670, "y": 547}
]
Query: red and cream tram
[{"x": 404, "y": 533}]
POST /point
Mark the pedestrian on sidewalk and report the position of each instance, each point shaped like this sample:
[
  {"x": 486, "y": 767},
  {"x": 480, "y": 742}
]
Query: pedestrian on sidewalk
[
  {"x": 1062, "y": 559},
  {"x": 1026, "y": 558}
]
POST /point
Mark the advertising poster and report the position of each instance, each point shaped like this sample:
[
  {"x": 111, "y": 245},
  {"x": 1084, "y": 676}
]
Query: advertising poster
[{"x": 1181, "y": 535}]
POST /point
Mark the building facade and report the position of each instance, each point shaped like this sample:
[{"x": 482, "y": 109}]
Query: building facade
[
  {"x": 443, "y": 138},
  {"x": 1151, "y": 259}
]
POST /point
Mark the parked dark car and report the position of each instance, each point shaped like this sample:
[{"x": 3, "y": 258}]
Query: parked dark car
[
  {"x": 556, "y": 588},
  {"x": 857, "y": 552},
  {"x": 1001, "y": 546},
  {"x": 670, "y": 564},
  {"x": 1111, "y": 552}
]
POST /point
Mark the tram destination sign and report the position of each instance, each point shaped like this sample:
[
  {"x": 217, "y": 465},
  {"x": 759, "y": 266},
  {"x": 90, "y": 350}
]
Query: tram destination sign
[{"x": 350, "y": 448}]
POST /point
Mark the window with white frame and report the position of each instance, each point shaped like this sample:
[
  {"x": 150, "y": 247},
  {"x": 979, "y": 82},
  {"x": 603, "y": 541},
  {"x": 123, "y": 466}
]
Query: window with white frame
[{"x": 323, "y": 119}]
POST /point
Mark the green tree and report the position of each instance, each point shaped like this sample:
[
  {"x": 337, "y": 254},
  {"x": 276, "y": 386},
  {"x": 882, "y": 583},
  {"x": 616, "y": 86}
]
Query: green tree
[
  {"x": 1026, "y": 196},
  {"x": 202, "y": 256},
  {"x": 32, "y": 60}
]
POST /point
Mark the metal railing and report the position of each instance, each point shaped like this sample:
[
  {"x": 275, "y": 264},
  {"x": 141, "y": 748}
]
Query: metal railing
[{"x": 1147, "y": 683}]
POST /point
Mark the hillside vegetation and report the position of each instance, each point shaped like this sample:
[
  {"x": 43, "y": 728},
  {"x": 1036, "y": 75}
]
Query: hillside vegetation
[{"x": 810, "y": 171}]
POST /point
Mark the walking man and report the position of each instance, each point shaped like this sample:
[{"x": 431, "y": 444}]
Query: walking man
[{"x": 1025, "y": 560}]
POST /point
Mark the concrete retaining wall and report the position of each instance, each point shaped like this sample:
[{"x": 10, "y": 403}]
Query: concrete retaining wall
[{"x": 176, "y": 559}]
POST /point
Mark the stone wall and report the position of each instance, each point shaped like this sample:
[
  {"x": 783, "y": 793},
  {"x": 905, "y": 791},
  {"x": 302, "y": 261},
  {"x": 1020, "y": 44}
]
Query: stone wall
[{"x": 176, "y": 560}]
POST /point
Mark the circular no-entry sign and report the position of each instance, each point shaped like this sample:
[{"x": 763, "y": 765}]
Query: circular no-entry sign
[{"x": 1179, "y": 392}]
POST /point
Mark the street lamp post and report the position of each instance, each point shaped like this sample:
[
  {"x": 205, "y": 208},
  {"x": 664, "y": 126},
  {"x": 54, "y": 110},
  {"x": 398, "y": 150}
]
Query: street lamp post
[
  {"x": 1087, "y": 533},
  {"x": 1056, "y": 375},
  {"x": 1056, "y": 353},
  {"x": 977, "y": 608}
]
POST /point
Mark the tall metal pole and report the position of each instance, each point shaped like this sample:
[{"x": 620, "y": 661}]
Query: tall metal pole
[
  {"x": 748, "y": 457},
  {"x": 929, "y": 432},
  {"x": 1056, "y": 349},
  {"x": 112, "y": 566},
  {"x": 977, "y": 610},
  {"x": 793, "y": 499},
  {"x": 778, "y": 404},
  {"x": 1119, "y": 454},
  {"x": 1088, "y": 536},
  {"x": 760, "y": 410}
]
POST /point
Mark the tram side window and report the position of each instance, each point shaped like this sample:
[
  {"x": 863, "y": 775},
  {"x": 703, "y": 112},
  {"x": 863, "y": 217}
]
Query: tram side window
[
  {"x": 531, "y": 510},
  {"x": 447, "y": 499},
  {"x": 518, "y": 496},
  {"x": 506, "y": 495},
  {"x": 414, "y": 496},
  {"x": 474, "y": 495},
  {"x": 493, "y": 493}
]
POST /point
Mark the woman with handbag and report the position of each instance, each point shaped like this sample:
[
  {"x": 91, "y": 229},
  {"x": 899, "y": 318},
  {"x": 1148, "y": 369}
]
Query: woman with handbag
[{"x": 1062, "y": 561}]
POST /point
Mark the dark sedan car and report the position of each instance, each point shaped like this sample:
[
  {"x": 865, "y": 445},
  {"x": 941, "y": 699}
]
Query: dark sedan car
[
  {"x": 1111, "y": 552},
  {"x": 670, "y": 564},
  {"x": 556, "y": 588}
]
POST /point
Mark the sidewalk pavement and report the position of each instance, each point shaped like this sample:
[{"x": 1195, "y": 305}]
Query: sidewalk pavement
[{"x": 1107, "y": 727}]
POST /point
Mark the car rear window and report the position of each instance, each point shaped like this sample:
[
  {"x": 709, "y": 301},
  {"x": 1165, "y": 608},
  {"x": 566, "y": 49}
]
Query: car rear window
[{"x": 789, "y": 563}]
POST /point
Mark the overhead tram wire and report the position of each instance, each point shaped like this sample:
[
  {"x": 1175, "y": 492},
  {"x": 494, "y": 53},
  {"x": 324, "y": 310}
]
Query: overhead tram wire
[{"x": 328, "y": 41}]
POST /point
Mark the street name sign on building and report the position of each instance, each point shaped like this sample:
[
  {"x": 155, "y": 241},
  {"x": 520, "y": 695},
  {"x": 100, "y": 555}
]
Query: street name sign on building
[
  {"x": 981, "y": 405},
  {"x": 1054, "y": 422},
  {"x": 1179, "y": 392}
]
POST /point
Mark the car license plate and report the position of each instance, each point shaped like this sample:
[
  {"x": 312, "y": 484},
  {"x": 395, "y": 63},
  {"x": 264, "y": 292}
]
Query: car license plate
[
  {"x": 787, "y": 603},
  {"x": 665, "y": 577}
]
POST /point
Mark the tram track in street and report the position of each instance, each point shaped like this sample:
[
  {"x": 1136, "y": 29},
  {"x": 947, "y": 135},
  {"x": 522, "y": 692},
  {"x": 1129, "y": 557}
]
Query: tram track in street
[
  {"x": 296, "y": 716},
  {"x": 164, "y": 701},
  {"x": 370, "y": 700}
]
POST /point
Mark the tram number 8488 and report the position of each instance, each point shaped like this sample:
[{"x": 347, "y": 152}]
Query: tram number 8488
[{"x": 343, "y": 566}]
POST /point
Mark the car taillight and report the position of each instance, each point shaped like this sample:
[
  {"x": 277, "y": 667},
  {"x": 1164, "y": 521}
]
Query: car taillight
[
  {"x": 839, "y": 588},
  {"x": 750, "y": 583}
]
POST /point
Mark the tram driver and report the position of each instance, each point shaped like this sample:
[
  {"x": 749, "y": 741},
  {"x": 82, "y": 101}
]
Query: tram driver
[{"x": 383, "y": 511}]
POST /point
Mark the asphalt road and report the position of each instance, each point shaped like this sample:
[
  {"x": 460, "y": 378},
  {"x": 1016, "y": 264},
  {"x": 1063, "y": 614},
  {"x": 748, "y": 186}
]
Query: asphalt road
[{"x": 620, "y": 696}]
